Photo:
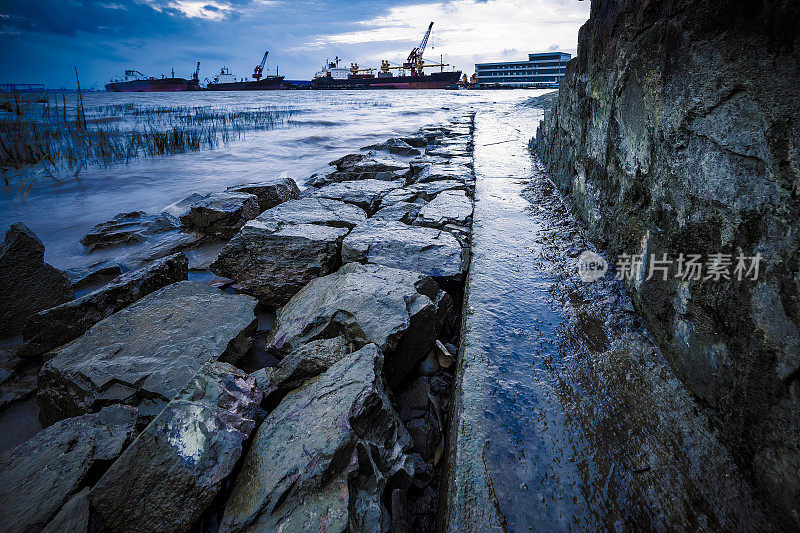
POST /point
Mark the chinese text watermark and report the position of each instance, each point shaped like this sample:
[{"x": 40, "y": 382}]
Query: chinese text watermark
[{"x": 686, "y": 267}]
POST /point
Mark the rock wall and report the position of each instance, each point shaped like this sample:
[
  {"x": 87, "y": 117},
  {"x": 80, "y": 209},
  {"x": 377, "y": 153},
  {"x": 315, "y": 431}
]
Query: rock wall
[{"x": 676, "y": 131}]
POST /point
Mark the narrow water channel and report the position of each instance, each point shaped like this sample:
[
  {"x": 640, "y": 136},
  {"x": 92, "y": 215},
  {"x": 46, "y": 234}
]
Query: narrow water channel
[{"x": 566, "y": 414}]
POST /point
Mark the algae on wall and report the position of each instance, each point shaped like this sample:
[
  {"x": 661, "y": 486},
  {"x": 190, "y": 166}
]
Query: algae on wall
[{"x": 677, "y": 130}]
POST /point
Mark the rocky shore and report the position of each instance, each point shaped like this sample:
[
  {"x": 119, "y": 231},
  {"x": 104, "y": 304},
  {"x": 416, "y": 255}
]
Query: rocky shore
[
  {"x": 675, "y": 133},
  {"x": 169, "y": 400}
]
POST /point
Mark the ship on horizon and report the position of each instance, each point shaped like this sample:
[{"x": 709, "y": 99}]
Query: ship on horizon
[
  {"x": 225, "y": 81},
  {"x": 332, "y": 76},
  {"x": 133, "y": 81}
]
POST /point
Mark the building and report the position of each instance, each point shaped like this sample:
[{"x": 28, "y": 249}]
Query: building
[{"x": 540, "y": 70}]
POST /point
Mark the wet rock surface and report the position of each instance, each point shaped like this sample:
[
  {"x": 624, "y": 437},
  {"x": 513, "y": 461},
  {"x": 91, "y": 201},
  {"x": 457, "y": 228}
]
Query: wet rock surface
[
  {"x": 365, "y": 193},
  {"x": 270, "y": 192},
  {"x": 40, "y": 476},
  {"x": 692, "y": 156},
  {"x": 273, "y": 262},
  {"x": 392, "y": 308},
  {"x": 323, "y": 211},
  {"x": 448, "y": 207},
  {"x": 397, "y": 146},
  {"x": 220, "y": 214},
  {"x": 55, "y": 326},
  {"x": 183, "y": 457},
  {"x": 27, "y": 284},
  {"x": 128, "y": 228},
  {"x": 333, "y": 478},
  {"x": 427, "y": 251},
  {"x": 144, "y": 354}
]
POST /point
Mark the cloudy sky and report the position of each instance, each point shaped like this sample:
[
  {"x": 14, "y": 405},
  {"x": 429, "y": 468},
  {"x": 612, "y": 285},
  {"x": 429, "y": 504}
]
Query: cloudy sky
[{"x": 42, "y": 39}]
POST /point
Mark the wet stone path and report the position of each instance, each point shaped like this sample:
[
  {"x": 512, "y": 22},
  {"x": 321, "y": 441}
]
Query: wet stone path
[{"x": 566, "y": 415}]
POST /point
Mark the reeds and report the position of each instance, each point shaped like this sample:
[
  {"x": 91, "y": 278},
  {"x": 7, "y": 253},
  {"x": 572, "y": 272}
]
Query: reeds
[{"x": 62, "y": 138}]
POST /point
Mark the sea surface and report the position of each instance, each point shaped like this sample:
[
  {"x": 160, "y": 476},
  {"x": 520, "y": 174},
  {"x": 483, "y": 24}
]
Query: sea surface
[{"x": 325, "y": 125}]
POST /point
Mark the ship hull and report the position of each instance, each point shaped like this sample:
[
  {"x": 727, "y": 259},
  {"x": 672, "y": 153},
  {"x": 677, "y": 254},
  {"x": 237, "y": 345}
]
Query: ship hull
[
  {"x": 436, "y": 80},
  {"x": 265, "y": 84},
  {"x": 149, "y": 86}
]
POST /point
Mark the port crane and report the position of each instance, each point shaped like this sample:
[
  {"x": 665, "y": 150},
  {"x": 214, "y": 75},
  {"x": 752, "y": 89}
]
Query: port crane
[
  {"x": 260, "y": 67},
  {"x": 415, "y": 61}
]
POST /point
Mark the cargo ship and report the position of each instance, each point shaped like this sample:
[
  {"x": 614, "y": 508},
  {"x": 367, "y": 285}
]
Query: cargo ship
[
  {"x": 332, "y": 76},
  {"x": 225, "y": 81},
  {"x": 134, "y": 81}
]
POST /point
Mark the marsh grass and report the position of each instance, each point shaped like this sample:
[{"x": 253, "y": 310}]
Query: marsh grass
[{"x": 47, "y": 133}]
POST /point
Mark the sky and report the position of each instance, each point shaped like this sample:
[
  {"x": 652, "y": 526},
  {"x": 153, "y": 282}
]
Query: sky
[{"x": 43, "y": 40}]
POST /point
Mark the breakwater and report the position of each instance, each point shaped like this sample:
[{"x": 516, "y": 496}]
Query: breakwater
[{"x": 336, "y": 419}]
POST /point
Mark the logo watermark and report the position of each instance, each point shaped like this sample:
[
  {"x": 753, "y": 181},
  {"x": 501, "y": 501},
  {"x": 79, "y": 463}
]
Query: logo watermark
[
  {"x": 591, "y": 266},
  {"x": 686, "y": 267}
]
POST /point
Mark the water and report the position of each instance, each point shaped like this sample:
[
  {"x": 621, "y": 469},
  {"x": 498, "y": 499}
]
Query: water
[{"x": 329, "y": 124}]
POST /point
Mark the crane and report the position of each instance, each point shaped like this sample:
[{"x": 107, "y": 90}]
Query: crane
[
  {"x": 196, "y": 75},
  {"x": 415, "y": 61},
  {"x": 260, "y": 67}
]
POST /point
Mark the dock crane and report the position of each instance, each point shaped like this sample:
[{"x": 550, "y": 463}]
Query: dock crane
[
  {"x": 260, "y": 67},
  {"x": 415, "y": 61},
  {"x": 196, "y": 74}
]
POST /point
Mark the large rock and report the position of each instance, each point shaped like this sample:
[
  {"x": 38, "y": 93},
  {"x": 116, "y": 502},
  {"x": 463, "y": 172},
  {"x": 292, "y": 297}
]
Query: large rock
[
  {"x": 366, "y": 193},
  {"x": 395, "y": 309},
  {"x": 128, "y": 228},
  {"x": 221, "y": 214},
  {"x": 436, "y": 172},
  {"x": 321, "y": 211},
  {"x": 425, "y": 250},
  {"x": 395, "y": 146},
  {"x": 449, "y": 207},
  {"x": 40, "y": 476},
  {"x": 358, "y": 167},
  {"x": 321, "y": 461},
  {"x": 27, "y": 283},
  {"x": 273, "y": 262},
  {"x": 308, "y": 361},
  {"x": 421, "y": 191},
  {"x": 405, "y": 212},
  {"x": 182, "y": 458},
  {"x": 270, "y": 192},
  {"x": 55, "y": 326},
  {"x": 676, "y": 133},
  {"x": 144, "y": 354}
]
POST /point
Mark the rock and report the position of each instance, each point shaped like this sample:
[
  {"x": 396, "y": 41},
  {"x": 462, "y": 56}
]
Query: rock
[
  {"x": 415, "y": 408},
  {"x": 221, "y": 214},
  {"x": 429, "y": 366},
  {"x": 322, "y": 459},
  {"x": 182, "y": 458},
  {"x": 40, "y": 476},
  {"x": 27, "y": 283},
  {"x": 449, "y": 207},
  {"x": 395, "y": 309},
  {"x": 443, "y": 355},
  {"x": 21, "y": 386},
  {"x": 273, "y": 262},
  {"x": 58, "y": 325},
  {"x": 84, "y": 278},
  {"x": 128, "y": 228},
  {"x": 321, "y": 211},
  {"x": 308, "y": 361},
  {"x": 404, "y": 212},
  {"x": 346, "y": 162},
  {"x": 436, "y": 172},
  {"x": 270, "y": 192},
  {"x": 376, "y": 168},
  {"x": 144, "y": 354},
  {"x": 417, "y": 141},
  {"x": 75, "y": 516},
  {"x": 395, "y": 146},
  {"x": 699, "y": 153},
  {"x": 366, "y": 193},
  {"x": 427, "y": 251},
  {"x": 425, "y": 191}
]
